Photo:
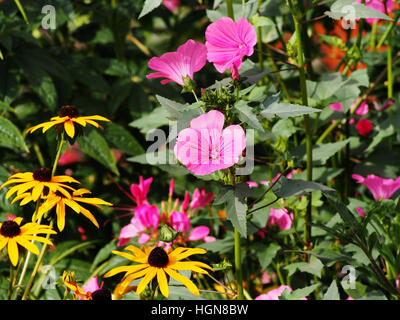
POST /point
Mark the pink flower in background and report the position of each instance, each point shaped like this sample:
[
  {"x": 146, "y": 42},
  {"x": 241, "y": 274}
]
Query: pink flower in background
[
  {"x": 139, "y": 191},
  {"x": 280, "y": 217},
  {"x": 364, "y": 127},
  {"x": 200, "y": 199},
  {"x": 149, "y": 216},
  {"x": 378, "y": 5},
  {"x": 206, "y": 147},
  {"x": 337, "y": 106},
  {"x": 228, "y": 42},
  {"x": 380, "y": 188},
  {"x": 92, "y": 285},
  {"x": 274, "y": 294},
  {"x": 73, "y": 154},
  {"x": 362, "y": 109},
  {"x": 179, "y": 221},
  {"x": 174, "y": 66},
  {"x": 200, "y": 233},
  {"x": 360, "y": 212},
  {"x": 252, "y": 184},
  {"x": 171, "y": 5}
]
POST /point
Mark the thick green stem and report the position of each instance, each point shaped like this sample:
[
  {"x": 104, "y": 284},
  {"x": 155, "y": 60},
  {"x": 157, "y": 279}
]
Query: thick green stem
[
  {"x": 238, "y": 266},
  {"x": 307, "y": 121},
  {"x": 229, "y": 7},
  {"x": 390, "y": 67}
]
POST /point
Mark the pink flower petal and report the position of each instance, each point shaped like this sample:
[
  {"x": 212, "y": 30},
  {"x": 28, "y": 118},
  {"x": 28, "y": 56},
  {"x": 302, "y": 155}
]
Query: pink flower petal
[{"x": 198, "y": 233}]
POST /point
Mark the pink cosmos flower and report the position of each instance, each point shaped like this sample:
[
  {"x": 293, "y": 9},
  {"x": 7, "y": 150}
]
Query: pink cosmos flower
[
  {"x": 179, "y": 221},
  {"x": 200, "y": 233},
  {"x": 280, "y": 217},
  {"x": 139, "y": 191},
  {"x": 171, "y": 5},
  {"x": 380, "y": 188},
  {"x": 228, "y": 42},
  {"x": 174, "y": 66},
  {"x": 274, "y": 294},
  {"x": 364, "y": 127},
  {"x": 377, "y": 5},
  {"x": 92, "y": 285},
  {"x": 206, "y": 147},
  {"x": 200, "y": 199}
]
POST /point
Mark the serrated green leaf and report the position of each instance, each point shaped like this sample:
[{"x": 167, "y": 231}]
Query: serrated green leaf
[
  {"x": 333, "y": 292},
  {"x": 286, "y": 188},
  {"x": 149, "y": 5}
]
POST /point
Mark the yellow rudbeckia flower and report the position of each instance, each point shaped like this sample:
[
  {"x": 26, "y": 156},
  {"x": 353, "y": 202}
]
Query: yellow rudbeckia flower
[
  {"x": 38, "y": 181},
  {"x": 13, "y": 234},
  {"x": 68, "y": 117},
  {"x": 60, "y": 201},
  {"x": 157, "y": 262}
]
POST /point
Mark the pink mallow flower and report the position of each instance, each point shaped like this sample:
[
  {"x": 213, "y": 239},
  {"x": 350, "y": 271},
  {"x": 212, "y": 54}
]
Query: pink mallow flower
[
  {"x": 175, "y": 66},
  {"x": 200, "y": 233},
  {"x": 378, "y": 5},
  {"x": 380, "y": 188},
  {"x": 139, "y": 191},
  {"x": 228, "y": 42},
  {"x": 274, "y": 294},
  {"x": 206, "y": 147}
]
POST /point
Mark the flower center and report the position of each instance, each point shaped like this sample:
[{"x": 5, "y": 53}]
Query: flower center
[
  {"x": 68, "y": 111},
  {"x": 214, "y": 153},
  {"x": 10, "y": 229},
  {"x": 158, "y": 258},
  {"x": 101, "y": 295},
  {"x": 42, "y": 174}
]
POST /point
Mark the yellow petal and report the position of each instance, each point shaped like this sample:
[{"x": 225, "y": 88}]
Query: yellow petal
[
  {"x": 190, "y": 252},
  {"x": 12, "y": 249},
  {"x": 151, "y": 273},
  {"x": 3, "y": 241},
  {"x": 88, "y": 215},
  {"x": 69, "y": 128},
  {"x": 27, "y": 244},
  {"x": 37, "y": 191},
  {"x": 60, "y": 210},
  {"x": 180, "y": 278},
  {"x": 162, "y": 282},
  {"x": 127, "y": 269}
]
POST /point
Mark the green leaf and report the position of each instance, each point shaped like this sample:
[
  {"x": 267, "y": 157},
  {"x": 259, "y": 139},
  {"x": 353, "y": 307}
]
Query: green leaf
[
  {"x": 10, "y": 136},
  {"x": 333, "y": 292},
  {"x": 220, "y": 245},
  {"x": 103, "y": 254},
  {"x": 246, "y": 114},
  {"x": 314, "y": 267},
  {"x": 95, "y": 146},
  {"x": 122, "y": 139},
  {"x": 348, "y": 10},
  {"x": 265, "y": 255},
  {"x": 236, "y": 211},
  {"x": 284, "y": 110},
  {"x": 157, "y": 118},
  {"x": 324, "y": 88},
  {"x": 286, "y": 188},
  {"x": 322, "y": 152},
  {"x": 298, "y": 294},
  {"x": 149, "y": 5}
]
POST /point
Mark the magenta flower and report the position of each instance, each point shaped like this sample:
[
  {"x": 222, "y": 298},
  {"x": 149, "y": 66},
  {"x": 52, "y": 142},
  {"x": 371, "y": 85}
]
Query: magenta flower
[
  {"x": 200, "y": 233},
  {"x": 206, "y": 147},
  {"x": 360, "y": 212},
  {"x": 364, "y": 127},
  {"x": 174, "y": 66},
  {"x": 200, "y": 199},
  {"x": 378, "y": 5},
  {"x": 171, "y": 5},
  {"x": 132, "y": 230},
  {"x": 380, "y": 188},
  {"x": 228, "y": 42},
  {"x": 179, "y": 221},
  {"x": 280, "y": 217},
  {"x": 274, "y": 294},
  {"x": 139, "y": 191}
]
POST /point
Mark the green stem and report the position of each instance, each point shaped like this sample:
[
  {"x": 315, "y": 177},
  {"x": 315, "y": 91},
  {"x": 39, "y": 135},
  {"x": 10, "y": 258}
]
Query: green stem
[
  {"x": 238, "y": 266},
  {"x": 229, "y": 7},
  {"x": 21, "y": 9},
  {"x": 307, "y": 122},
  {"x": 390, "y": 67},
  {"x": 58, "y": 155},
  {"x": 373, "y": 35}
]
